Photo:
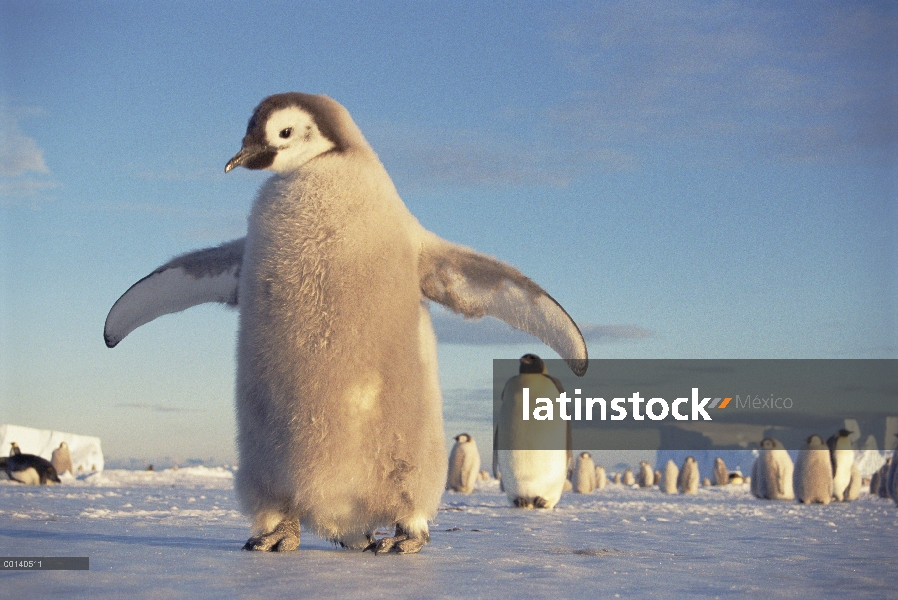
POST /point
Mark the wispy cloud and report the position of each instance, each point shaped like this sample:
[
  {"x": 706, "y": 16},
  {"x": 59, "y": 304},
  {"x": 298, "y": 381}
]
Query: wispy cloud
[
  {"x": 156, "y": 407},
  {"x": 453, "y": 329},
  {"x": 23, "y": 171},
  {"x": 803, "y": 81}
]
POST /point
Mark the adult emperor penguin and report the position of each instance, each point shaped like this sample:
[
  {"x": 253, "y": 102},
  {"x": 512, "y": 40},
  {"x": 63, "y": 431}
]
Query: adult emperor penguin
[
  {"x": 842, "y": 456},
  {"x": 812, "y": 478},
  {"x": 584, "y": 477},
  {"x": 339, "y": 417},
  {"x": 30, "y": 469},
  {"x": 771, "y": 475},
  {"x": 62, "y": 459},
  {"x": 464, "y": 464},
  {"x": 669, "y": 477},
  {"x": 687, "y": 481},
  {"x": 532, "y": 478}
]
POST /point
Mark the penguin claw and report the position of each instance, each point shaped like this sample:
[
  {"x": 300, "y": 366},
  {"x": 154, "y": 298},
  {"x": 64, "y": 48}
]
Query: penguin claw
[{"x": 283, "y": 538}]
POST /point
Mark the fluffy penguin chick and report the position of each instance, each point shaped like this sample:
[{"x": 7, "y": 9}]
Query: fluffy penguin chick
[
  {"x": 601, "y": 478},
  {"x": 720, "y": 472},
  {"x": 628, "y": 478},
  {"x": 584, "y": 479},
  {"x": 687, "y": 481},
  {"x": 338, "y": 404},
  {"x": 531, "y": 478},
  {"x": 61, "y": 459},
  {"x": 771, "y": 475},
  {"x": 646, "y": 475},
  {"x": 813, "y": 475},
  {"x": 842, "y": 455},
  {"x": 669, "y": 478},
  {"x": 464, "y": 464}
]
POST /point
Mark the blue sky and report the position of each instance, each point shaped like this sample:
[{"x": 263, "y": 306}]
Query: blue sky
[{"x": 689, "y": 179}]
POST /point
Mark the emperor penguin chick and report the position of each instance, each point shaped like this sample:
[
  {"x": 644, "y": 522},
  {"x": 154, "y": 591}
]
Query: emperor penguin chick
[
  {"x": 584, "y": 478},
  {"x": 628, "y": 478},
  {"x": 646, "y": 475},
  {"x": 669, "y": 478},
  {"x": 771, "y": 476},
  {"x": 720, "y": 472},
  {"x": 813, "y": 475},
  {"x": 853, "y": 491},
  {"x": 601, "y": 478},
  {"x": 687, "y": 481},
  {"x": 339, "y": 414},
  {"x": 464, "y": 464},
  {"x": 61, "y": 459},
  {"x": 531, "y": 478},
  {"x": 842, "y": 456}
]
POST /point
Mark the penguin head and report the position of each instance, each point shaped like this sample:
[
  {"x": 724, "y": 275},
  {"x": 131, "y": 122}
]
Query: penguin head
[
  {"x": 48, "y": 475},
  {"x": 815, "y": 440},
  {"x": 585, "y": 455},
  {"x": 461, "y": 438},
  {"x": 844, "y": 433},
  {"x": 288, "y": 130},
  {"x": 531, "y": 363}
]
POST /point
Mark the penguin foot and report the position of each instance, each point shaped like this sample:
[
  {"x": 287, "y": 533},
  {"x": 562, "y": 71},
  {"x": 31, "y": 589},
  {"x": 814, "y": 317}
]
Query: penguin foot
[
  {"x": 400, "y": 544},
  {"x": 537, "y": 502},
  {"x": 283, "y": 538}
]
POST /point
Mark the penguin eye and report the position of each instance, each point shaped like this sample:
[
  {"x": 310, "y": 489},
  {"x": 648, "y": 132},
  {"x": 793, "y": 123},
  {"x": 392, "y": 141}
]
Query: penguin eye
[{"x": 285, "y": 133}]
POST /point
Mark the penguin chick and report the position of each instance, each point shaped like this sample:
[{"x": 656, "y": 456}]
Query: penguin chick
[
  {"x": 687, "y": 481},
  {"x": 669, "y": 478},
  {"x": 338, "y": 404},
  {"x": 601, "y": 478},
  {"x": 531, "y": 478},
  {"x": 61, "y": 459},
  {"x": 584, "y": 477},
  {"x": 771, "y": 476},
  {"x": 812, "y": 478},
  {"x": 720, "y": 472},
  {"x": 628, "y": 478},
  {"x": 464, "y": 464},
  {"x": 646, "y": 475}
]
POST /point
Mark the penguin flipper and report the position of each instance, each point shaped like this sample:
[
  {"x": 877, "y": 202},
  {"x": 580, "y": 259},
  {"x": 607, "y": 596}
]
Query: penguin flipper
[
  {"x": 208, "y": 275},
  {"x": 475, "y": 285}
]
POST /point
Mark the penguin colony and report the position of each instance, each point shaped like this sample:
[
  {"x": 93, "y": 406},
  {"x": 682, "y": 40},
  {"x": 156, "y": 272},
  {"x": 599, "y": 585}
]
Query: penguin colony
[{"x": 338, "y": 404}]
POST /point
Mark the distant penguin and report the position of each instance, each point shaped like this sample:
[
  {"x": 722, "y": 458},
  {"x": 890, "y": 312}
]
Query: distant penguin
[
  {"x": 531, "y": 478},
  {"x": 584, "y": 478},
  {"x": 616, "y": 478},
  {"x": 657, "y": 477},
  {"x": 687, "y": 481},
  {"x": 484, "y": 475},
  {"x": 62, "y": 460},
  {"x": 706, "y": 482},
  {"x": 601, "y": 478},
  {"x": 646, "y": 475},
  {"x": 669, "y": 478},
  {"x": 464, "y": 465},
  {"x": 30, "y": 469},
  {"x": 14, "y": 449},
  {"x": 736, "y": 479},
  {"x": 883, "y": 491},
  {"x": 720, "y": 473},
  {"x": 892, "y": 483},
  {"x": 338, "y": 406},
  {"x": 874, "y": 482},
  {"x": 628, "y": 477},
  {"x": 842, "y": 456},
  {"x": 812, "y": 478},
  {"x": 771, "y": 476}
]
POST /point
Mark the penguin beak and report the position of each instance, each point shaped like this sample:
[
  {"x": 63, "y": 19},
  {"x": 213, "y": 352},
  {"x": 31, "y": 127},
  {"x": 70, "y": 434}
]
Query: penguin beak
[{"x": 252, "y": 157}]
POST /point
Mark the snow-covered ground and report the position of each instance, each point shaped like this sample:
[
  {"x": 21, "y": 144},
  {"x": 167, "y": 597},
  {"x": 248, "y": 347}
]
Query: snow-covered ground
[{"x": 177, "y": 534}]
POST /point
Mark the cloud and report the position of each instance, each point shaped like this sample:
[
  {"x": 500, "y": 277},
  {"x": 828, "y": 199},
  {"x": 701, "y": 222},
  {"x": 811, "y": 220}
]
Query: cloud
[
  {"x": 802, "y": 81},
  {"x": 453, "y": 329},
  {"x": 23, "y": 170},
  {"x": 156, "y": 407}
]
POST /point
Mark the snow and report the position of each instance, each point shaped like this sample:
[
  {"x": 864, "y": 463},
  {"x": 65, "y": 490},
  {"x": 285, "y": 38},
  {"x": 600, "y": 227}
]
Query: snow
[
  {"x": 85, "y": 450},
  {"x": 178, "y": 533}
]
